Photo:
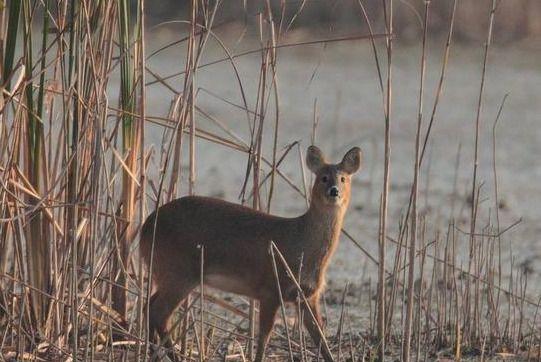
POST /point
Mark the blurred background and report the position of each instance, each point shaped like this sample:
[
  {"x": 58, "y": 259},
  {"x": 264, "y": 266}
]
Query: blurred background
[{"x": 516, "y": 20}]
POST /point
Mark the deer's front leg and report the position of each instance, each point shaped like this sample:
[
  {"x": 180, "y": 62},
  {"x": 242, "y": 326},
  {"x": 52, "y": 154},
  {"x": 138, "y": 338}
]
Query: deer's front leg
[
  {"x": 267, "y": 312},
  {"x": 312, "y": 326}
]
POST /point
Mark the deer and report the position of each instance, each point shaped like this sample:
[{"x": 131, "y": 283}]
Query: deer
[{"x": 235, "y": 242}]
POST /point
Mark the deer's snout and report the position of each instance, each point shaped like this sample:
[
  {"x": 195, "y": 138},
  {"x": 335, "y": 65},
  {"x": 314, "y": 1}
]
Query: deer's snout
[{"x": 334, "y": 192}]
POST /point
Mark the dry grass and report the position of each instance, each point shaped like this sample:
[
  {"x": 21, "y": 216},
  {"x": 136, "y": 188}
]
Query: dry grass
[{"x": 75, "y": 188}]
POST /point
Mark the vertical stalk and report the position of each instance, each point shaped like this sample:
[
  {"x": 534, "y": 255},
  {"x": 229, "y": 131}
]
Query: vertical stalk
[
  {"x": 73, "y": 179},
  {"x": 127, "y": 105},
  {"x": 191, "y": 101},
  {"x": 414, "y": 213},
  {"x": 45, "y": 31},
  {"x": 37, "y": 246},
  {"x": 187, "y": 111},
  {"x": 474, "y": 191},
  {"x": 276, "y": 98},
  {"x": 497, "y": 211},
  {"x": 11, "y": 40},
  {"x": 202, "y": 304},
  {"x": 142, "y": 177},
  {"x": 388, "y": 14},
  {"x": 70, "y": 153}
]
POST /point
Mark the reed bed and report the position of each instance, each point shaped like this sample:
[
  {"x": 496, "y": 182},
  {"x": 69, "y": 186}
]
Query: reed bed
[{"x": 78, "y": 177}]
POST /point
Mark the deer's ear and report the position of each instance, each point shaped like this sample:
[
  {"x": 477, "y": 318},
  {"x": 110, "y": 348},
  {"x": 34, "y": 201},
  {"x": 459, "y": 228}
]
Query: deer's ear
[
  {"x": 314, "y": 159},
  {"x": 351, "y": 161}
]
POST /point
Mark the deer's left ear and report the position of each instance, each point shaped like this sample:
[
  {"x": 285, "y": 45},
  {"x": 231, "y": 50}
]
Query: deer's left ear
[
  {"x": 314, "y": 159},
  {"x": 351, "y": 161}
]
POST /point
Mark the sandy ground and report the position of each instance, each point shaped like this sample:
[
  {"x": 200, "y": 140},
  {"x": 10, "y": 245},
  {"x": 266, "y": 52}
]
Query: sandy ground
[{"x": 340, "y": 82}]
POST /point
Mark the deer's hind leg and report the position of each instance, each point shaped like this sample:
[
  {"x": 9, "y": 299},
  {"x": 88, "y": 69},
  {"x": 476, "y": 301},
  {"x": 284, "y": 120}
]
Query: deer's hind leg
[{"x": 161, "y": 306}]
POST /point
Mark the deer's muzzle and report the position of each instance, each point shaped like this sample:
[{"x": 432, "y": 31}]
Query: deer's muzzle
[{"x": 334, "y": 192}]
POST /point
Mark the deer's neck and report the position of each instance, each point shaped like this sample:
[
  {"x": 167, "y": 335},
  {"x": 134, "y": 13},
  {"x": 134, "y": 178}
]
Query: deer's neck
[{"x": 323, "y": 227}]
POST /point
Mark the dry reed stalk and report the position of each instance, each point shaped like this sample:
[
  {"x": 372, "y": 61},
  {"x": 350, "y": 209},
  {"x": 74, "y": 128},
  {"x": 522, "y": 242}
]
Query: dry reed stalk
[
  {"x": 439, "y": 91},
  {"x": 421, "y": 300},
  {"x": 130, "y": 137},
  {"x": 279, "y": 46},
  {"x": 273, "y": 41},
  {"x": 472, "y": 333},
  {"x": 282, "y": 305},
  {"x": 388, "y": 15},
  {"x": 324, "y": 343},
  {"x": 142, "y": 296},
  {"x": 341, "y": 322},
  {"x": 202, "y": 305},
  {"x": 497, "y": 213},
  {"x": 414, "y": 215},
  {"x": 187, "y": 115}
]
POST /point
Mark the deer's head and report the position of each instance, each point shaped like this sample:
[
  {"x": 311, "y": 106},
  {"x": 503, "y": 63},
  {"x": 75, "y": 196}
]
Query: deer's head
[{"x": 332, "y": 185}]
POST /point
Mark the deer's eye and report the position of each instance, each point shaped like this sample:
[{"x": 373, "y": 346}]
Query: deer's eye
[
  {"x": 343, "y": 179},
  {"x": 324, "y": 179}
]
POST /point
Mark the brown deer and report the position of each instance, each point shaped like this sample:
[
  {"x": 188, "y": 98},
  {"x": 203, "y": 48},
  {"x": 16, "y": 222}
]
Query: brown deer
[{"x": 236, "y": 246}]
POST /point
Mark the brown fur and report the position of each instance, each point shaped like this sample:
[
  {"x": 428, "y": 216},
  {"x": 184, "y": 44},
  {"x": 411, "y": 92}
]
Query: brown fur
[{"x": 236, "y": 242}]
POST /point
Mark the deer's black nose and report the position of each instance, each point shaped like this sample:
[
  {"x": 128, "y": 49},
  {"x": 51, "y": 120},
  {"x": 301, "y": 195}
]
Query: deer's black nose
[{"x": 334, "y": 191}]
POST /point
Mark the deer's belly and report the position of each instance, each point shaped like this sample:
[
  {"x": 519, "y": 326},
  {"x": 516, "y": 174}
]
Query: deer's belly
[{"x": 229, "y": 284}]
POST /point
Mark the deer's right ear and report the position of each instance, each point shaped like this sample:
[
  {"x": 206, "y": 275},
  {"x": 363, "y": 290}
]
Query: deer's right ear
[
  {"x": 351, "y": 161},
  {"x": 314, "y": 159}
]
